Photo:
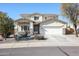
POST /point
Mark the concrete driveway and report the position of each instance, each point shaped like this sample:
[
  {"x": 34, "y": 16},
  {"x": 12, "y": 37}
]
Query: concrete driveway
[{"x": 63, "y": 38}]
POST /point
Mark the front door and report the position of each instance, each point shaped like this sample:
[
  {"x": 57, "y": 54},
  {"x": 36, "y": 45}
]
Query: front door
[{"x": 36, "y": 28}]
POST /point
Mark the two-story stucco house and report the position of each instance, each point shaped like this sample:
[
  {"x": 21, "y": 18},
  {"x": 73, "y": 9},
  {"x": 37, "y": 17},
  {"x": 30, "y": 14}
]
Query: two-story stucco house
[{"x": 44, "y": 24}]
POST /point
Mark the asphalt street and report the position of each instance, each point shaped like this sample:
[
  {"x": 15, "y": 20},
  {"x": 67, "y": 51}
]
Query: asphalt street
[{"x": 41, "y": 51}]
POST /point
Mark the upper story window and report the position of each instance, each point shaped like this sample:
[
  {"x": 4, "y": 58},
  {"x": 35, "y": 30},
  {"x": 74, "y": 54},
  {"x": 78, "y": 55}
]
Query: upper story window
[
  {"x": 45, "y": 17},
  {"x": 36, "y": 17}
]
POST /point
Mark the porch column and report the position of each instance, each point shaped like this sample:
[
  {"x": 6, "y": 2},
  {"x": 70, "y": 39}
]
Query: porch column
[
  {"x": 31, "y": 28},
  {"x": 16, "y": 28}
]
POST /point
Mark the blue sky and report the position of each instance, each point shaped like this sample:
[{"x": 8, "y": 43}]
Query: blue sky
[{"x": 15, "y": 9}]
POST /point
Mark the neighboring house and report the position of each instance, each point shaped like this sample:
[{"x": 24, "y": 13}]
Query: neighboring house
[{"x": 44, "y": 24}]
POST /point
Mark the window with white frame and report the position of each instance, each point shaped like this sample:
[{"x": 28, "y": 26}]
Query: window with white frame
[
  {"x": 36, "y": 18},
  {"x": 24, "y": 27}
]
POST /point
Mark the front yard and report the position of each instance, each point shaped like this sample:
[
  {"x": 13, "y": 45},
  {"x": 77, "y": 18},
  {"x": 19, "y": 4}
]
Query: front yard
[{"x": 68, "y": 40}]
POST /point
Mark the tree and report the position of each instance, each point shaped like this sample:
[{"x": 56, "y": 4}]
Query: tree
[
  {"x": 6, "y": 24},
  {"x": 71, "y": 11}
]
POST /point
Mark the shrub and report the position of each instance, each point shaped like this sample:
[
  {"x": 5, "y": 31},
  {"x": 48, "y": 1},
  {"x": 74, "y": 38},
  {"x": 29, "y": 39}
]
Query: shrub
[{"x": 69, "y": 31}]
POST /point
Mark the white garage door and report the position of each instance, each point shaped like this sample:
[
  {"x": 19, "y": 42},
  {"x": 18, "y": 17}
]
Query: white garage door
[
  {"x": 51, "y": 27},
  {"x": 53, "y": 31}
]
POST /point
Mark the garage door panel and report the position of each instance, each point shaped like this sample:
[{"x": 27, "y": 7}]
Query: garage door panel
[{"x": 55, "y": 31}]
